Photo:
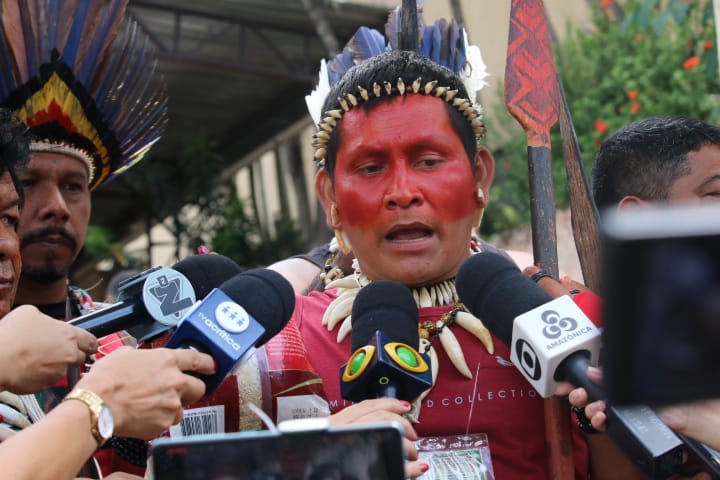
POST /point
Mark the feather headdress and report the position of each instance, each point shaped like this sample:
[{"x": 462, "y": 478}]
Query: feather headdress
[
  {"x": 79, "y": 73},
  {"x": 444, "y": 42}
]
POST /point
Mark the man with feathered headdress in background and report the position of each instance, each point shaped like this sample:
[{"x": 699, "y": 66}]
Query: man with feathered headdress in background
[{"x": 81, "y": 76}]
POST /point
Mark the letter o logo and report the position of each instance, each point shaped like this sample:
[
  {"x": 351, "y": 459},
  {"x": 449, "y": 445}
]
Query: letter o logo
[{"x": 529, "y": 361}]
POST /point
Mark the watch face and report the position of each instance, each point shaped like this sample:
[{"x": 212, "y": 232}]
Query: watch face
[{"x": 105, "y": 422}]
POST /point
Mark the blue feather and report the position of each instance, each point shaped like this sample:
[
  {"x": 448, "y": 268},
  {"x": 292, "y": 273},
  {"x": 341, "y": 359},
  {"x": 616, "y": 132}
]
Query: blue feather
[
  {"x": 426, "y": 35},
  {"x": 436, "y": 44},
  {"x": 70, "y": 49},
  {"x": 455, "y": 45},
  {"x": 442, "y": 26},
  {"x": 103, "y": 36},
  {"x": 8, "y": 82},
  {"x": 337, "y": 67},
  {"x": 53, "y": 12},
  {"x": 366, "y": 43},
  {"x": 26, "y": 21}
]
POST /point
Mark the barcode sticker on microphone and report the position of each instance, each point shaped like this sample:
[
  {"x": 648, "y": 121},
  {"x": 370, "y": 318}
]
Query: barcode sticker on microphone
[{"x": 198, "y": 421}]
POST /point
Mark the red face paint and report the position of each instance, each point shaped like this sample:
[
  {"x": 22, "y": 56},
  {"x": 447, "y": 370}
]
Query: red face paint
[{"x": 405, "y": 190}]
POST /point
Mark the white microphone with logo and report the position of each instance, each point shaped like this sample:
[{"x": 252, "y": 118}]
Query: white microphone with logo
[
  {"x": 235, "y": 318},
  {"x": 551, "y": 341},
  {"x": 554, "y": 337}
]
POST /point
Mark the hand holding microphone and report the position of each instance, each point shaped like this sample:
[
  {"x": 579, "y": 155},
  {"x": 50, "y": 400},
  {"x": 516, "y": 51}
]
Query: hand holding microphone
[
  {"x": 385, "y": 371},
  {"x": 552, "y": 341},
  {"x": 232, "y": 320},
  {"x": 36, "y": 350},
  {"x": 385, "y": 361},
  {"x": 145, "y": 389}
]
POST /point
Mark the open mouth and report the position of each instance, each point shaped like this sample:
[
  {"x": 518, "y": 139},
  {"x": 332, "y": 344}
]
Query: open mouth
[{"x": 409, "y": 234}]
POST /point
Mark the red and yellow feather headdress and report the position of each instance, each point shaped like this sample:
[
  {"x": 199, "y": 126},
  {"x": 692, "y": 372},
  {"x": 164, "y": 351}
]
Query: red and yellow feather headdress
[{"x": 80, "y": 74}]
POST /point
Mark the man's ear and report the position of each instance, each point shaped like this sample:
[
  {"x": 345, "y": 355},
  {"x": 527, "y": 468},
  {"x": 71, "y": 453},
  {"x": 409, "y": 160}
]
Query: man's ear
[
  {"x": 631, "y": 201},
  {"x": 326, "y": 194},
  {"x": 484, "y": 171}
]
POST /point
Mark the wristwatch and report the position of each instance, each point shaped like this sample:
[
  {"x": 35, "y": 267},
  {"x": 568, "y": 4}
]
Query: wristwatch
[{"x": 101, "y": 419}]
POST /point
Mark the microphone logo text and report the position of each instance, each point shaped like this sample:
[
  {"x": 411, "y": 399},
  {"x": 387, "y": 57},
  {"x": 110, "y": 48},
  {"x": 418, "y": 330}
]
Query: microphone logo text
[{"x": 219, "y": 331}]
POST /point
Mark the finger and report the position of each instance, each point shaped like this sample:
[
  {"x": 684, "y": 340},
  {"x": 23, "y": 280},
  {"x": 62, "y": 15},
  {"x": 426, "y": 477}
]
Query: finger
[
  {"x": 193, "y": 391},
  {"x": 192, "y": 361},
  {"x": 594, "y": 408},
  {"x": 178, "y": 416},
  {"x": 80, "y": 359},
  {"x": 578, "y": 398},
  {"x": 410, "y": 432},
  {"x": 563, "y": 389},
  {"x": 598, "y": 421},
  {"x": 372, "y": 407},
  {"x": 411, "y": 452},
  {"x": 415, "y": 469},
  {"x": 86, "y": 341},
  {"x": 595, "y": 375},
  {"x": 571, "y": 284}
]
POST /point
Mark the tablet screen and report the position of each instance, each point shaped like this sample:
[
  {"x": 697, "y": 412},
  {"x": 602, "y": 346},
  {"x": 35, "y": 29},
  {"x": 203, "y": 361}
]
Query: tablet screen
[{"x": 339, "y": 453}]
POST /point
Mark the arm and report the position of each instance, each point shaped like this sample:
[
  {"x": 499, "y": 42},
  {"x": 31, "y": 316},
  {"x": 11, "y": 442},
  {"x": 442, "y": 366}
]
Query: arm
[
  {"x": 145, "y": 391},
  {"x": 699, "y": 420},
  {"x": 301, "y": 273},
  {"x": 36, "y": 350}
]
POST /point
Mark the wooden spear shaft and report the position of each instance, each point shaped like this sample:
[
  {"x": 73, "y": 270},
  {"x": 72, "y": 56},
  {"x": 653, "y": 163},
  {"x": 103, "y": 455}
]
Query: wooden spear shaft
[{"x": 531, "y": 96}]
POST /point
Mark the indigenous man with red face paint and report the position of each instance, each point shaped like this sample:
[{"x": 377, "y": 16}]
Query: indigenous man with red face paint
[{"x": 403, "y": 182}]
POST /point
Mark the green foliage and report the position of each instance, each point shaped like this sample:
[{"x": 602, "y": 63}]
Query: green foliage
[
  {"x": 189, "y": 198},
  {"x": 642, "y": 58},
  {"x": 238, "y": 236},
  {"x": 100, "y": 244}
]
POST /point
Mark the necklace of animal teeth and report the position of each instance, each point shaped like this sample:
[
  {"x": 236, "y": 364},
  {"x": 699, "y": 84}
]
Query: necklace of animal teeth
[{"x": 436, "y": 295}]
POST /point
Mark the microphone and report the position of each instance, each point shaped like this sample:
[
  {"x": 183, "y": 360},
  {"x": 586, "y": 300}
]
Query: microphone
[
  {"x": 551, "y": 341},
  {"x": 385, "y": 360},
  {"x": 241, "y": 314},
  {"x": 152, "y": 302}
]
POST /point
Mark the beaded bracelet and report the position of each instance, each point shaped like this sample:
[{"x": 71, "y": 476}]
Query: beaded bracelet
[{"x": 583, "y": 421}]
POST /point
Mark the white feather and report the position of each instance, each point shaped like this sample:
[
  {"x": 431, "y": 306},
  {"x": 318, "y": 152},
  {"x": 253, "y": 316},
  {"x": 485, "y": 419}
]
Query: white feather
[{"x": 315, "y": 100}]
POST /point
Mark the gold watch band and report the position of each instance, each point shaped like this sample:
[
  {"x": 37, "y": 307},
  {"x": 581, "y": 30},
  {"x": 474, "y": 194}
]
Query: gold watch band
[{"x": 95, "y": 405}]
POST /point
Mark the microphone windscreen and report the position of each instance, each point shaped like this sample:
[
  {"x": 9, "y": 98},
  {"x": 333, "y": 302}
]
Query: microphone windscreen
[
  {"x": 386, "y": 306},
  {"x": 496, "y": 291},
  {"x": 206, "y": 272},
  {"x": 266, "y": 295}
]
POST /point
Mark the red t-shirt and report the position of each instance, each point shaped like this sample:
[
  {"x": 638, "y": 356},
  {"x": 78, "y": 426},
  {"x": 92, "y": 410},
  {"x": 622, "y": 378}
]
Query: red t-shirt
[{"x": 504, "y": 405}]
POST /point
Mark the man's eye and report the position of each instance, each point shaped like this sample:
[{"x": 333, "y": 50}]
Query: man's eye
[
  {"x": 428, "y": 162},
  {"x": 370, "y": 169},
  {"x": 73, "y": 187},
  {"x": 10, "y": 220}
]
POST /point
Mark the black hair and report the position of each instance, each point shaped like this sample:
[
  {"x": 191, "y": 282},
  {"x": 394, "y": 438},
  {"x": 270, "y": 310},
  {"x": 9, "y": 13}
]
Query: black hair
[
  {"x": 389, "y": 67},
  {"x": 645, "y": 158},
  {"x": 14, "y": 148}
]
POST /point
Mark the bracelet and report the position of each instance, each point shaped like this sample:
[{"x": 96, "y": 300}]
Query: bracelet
[
  {"x": 583, "y": 421},
  {"x": 535, "y": 277}
]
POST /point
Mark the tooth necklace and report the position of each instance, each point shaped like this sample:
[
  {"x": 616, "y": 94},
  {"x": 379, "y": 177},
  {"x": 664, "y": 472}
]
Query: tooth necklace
[{"x": 436, "y": 295}]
